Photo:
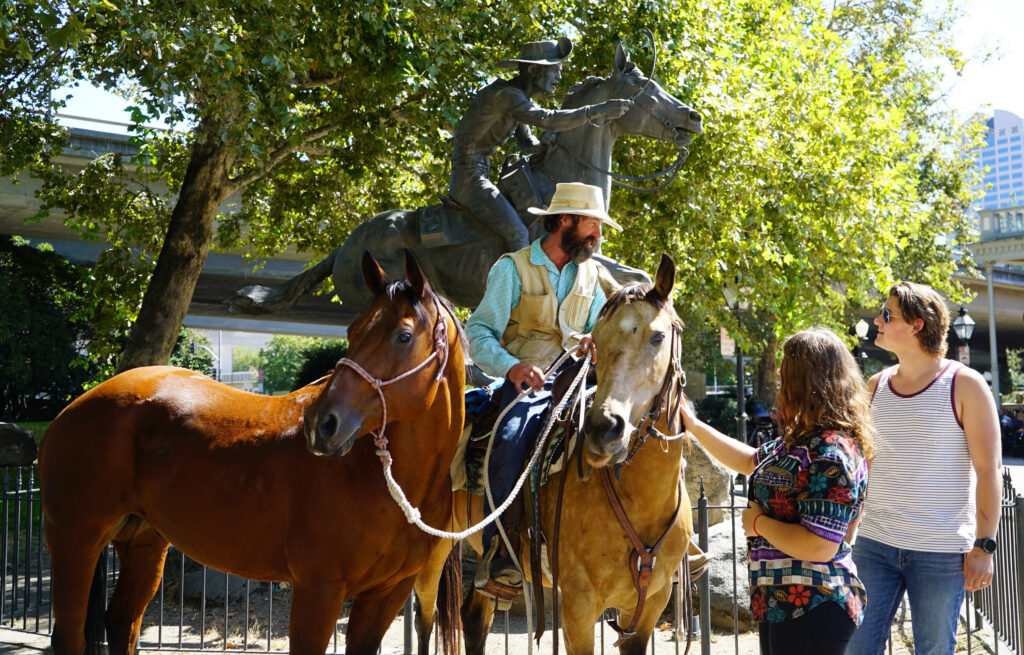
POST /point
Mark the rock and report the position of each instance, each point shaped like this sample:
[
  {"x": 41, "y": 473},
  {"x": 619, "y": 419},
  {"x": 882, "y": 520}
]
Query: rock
[
  {"x": 720, "y": 576},
  {"x": 216, "y": 586},
  {"x": 717, "y": 481},
  {"x": 17, "y": 446}
]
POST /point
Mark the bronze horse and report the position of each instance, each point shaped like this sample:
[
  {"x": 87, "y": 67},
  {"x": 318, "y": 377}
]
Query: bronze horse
[
  {"x": 455, "y": 248},
  {"x": 161, "y": 455}
]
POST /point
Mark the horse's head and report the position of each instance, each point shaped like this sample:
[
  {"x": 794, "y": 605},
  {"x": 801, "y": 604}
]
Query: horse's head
[
  {"x": 639, "y": 378},
  {"x": 398, "y": 350},
  {"x": 655, "y": 113}
]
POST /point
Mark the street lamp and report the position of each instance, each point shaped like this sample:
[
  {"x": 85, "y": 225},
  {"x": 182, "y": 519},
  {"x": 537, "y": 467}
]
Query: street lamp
[
  {"x": 963, "y": 325},
  {"x": 735, "y": 300},
  {"x": 861, "y": 330}
]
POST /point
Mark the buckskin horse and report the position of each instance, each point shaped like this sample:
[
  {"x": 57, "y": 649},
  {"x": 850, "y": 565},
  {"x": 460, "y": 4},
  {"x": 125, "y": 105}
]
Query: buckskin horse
[
  {"x": 161, "y": 455},
  {"x": 622, "y": 535}
]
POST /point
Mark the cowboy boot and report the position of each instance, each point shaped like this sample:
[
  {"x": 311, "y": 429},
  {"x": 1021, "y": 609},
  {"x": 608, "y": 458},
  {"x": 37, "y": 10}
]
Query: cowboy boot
[{"x": 696, "y": 560}]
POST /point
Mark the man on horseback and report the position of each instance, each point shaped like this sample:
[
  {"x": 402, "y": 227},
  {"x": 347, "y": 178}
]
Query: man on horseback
[
  {"x": 505, "y": 107},
  {"x": 540, "y": 301}
]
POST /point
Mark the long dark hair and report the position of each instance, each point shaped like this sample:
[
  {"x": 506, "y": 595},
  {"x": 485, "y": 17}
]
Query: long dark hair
[{"x": 822, "y": 388}]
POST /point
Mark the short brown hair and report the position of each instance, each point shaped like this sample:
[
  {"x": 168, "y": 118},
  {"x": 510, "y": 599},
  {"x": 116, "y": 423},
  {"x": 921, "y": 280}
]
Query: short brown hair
[
  {"x": 822, "y": 388},
  {"x": 553, "y": 221},
  {"x": 918, "y": 301}
]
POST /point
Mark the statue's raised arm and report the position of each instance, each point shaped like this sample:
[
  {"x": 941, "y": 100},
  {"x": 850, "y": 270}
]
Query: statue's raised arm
[{"x": 502, "y": 108}]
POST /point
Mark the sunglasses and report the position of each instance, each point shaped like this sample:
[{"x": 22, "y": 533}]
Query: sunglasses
[{"x": 888, "y": 316}]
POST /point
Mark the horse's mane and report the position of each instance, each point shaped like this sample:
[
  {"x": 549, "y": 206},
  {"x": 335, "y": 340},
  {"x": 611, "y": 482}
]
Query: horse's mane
[
  {"x": 634, "y": 292},
  {"x": 586, "y": 85},
  {"x": 403, "y": 287}
]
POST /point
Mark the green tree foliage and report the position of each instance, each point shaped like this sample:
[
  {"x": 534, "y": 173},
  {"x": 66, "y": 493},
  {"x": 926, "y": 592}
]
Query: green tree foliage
[
  {"x": 827, "y": 170},
  {"x": 245, "y": 359},
  {"x": 320, "y": 359},
  {"x": 290, "y": 362},
  {"x": 281, "y": 359},
  {"x": 42, "y": 332},
  {"x": 192, "y": 351}
]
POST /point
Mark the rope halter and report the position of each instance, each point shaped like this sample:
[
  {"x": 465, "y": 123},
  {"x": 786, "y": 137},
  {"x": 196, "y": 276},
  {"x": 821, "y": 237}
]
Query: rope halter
[{"x": 440, "y": 353}]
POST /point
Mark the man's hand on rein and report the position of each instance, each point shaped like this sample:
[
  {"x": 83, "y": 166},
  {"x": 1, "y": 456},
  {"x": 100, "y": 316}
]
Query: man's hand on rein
[
  {"x": 525, "y": 376},
  {"x": 587, "y": 346}
]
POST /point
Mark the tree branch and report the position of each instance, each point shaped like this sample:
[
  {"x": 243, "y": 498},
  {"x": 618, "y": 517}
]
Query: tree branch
[
  {"x": 254, "y": 173},
  {"x": 313, "y": 83}
]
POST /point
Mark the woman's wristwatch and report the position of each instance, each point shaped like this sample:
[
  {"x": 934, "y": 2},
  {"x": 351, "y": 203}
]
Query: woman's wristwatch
[{"x": 987, "y": 544}]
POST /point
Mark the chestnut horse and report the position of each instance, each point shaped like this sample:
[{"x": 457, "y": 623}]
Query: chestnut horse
[
  {"x": 639, "y": 386},
  {"x": 161, "y": 455}
]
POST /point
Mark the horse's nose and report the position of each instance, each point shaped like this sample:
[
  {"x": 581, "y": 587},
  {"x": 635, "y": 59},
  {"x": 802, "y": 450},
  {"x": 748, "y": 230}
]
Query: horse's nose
[
  {"x": 695, "y": 116},
  {"x": 326, "y": 428},
  {"x": 606, "y": 435}
]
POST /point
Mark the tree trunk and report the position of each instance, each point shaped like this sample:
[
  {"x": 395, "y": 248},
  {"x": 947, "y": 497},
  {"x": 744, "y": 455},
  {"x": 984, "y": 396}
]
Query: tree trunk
[
  {"x": 766, "y": 388},
  {"x": 186, "y": 244}
]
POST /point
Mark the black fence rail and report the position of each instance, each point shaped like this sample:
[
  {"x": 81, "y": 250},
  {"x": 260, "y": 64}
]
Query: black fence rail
[
  {"x": 201, "y": 609},
  {"x": 1002, "y": 603}
]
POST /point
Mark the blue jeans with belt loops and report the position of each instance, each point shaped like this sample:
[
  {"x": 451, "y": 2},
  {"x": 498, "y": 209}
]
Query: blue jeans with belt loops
[{"x": 934, "y": 583}]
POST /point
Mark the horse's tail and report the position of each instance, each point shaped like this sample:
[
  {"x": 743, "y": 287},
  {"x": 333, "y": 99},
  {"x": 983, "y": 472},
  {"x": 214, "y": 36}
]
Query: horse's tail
[
  {"x": 258, "y": 299},
  {"x": 449, "y": 600},
  {"x": 95, "y": 628}
]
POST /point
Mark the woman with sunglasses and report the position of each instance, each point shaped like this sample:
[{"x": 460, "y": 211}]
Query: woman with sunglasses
[
  {"x": 932, "y": 508},
  {"x": 806, "y": 487}
]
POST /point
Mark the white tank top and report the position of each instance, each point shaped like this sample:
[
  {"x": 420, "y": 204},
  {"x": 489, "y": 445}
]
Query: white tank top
[{"x": 922, "y": 484}]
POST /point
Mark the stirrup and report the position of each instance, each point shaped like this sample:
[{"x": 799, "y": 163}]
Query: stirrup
[
  {"x": 697, "y": 561},
  {"x": 502, "y": 595}
]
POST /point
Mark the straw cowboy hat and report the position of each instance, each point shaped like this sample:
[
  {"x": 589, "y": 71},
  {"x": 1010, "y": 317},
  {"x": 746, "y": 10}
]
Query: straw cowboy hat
[
  {"x": 577, "y": 198},
  {"x": 539, "y": 52}
]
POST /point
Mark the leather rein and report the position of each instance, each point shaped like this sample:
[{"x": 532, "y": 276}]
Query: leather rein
[{"x": 643, "y": 557}]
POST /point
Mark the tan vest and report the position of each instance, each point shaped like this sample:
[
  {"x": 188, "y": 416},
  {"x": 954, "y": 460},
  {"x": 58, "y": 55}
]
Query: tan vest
[{"x": 539, "y": 328}]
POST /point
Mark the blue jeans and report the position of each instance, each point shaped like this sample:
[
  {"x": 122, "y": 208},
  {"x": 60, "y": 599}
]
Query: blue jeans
[
  {"x": 514, "y": 440},
  {"x": 934, "y": 583}
]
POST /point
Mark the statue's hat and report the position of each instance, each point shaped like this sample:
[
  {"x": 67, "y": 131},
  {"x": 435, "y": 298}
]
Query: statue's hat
[
  {"x": 540, "y": 52},
  {"x": 577, "y": 198}
]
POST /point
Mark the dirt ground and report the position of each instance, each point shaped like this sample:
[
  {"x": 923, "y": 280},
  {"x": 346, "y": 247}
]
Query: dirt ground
[{"x": 508, "y": 634}]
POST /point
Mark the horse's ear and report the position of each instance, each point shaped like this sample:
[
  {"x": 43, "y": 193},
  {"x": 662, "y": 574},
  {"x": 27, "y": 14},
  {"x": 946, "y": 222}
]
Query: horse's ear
[
  {"x": 374, "y": 275},
  {"x": 621, "y": 58},
  {"x": 665, "y": 278},
  {"x": 414, "y": 274}
]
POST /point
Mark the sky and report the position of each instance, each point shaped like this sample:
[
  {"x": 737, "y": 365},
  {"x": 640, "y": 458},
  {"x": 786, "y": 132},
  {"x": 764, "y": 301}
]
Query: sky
[{"x": 996, "y": 83}]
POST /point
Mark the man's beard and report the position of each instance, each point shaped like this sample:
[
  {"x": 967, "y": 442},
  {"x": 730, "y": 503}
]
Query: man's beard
[{"x": 579, "y": 250}]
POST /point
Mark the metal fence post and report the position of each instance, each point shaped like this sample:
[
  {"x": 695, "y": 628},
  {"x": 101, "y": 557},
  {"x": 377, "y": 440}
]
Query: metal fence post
[
  {"x": 705, "y": 583},
  {"x": 1018, "y": 542}
]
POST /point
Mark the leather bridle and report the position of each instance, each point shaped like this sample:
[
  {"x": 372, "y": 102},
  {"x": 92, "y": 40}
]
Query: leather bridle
[
  {"x": 675, "y": 378},
  {"x": 440, "y": 353}
]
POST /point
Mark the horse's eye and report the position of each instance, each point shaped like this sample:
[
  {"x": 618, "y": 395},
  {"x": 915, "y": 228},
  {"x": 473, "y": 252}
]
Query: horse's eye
[
  {"x": 657, "y": 338},
  {"x": 404, "y": 337}
]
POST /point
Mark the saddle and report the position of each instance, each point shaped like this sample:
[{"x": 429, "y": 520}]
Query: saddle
[{"x": 482, "y": 411}]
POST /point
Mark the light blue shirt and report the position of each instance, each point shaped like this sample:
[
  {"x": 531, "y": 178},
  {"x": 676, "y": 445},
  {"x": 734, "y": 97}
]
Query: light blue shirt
[{"x": 488, "y": 322}]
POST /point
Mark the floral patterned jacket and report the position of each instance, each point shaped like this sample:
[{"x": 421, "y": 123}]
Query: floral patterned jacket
[{"x": 818, "y": 482}]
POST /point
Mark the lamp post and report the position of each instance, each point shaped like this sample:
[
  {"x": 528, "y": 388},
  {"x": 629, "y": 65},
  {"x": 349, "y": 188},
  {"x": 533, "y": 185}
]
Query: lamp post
[
  {"x": 963, "y": 325},
  {"x": 737, "y": 304},
  {"x": 861, "y": 330}
]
